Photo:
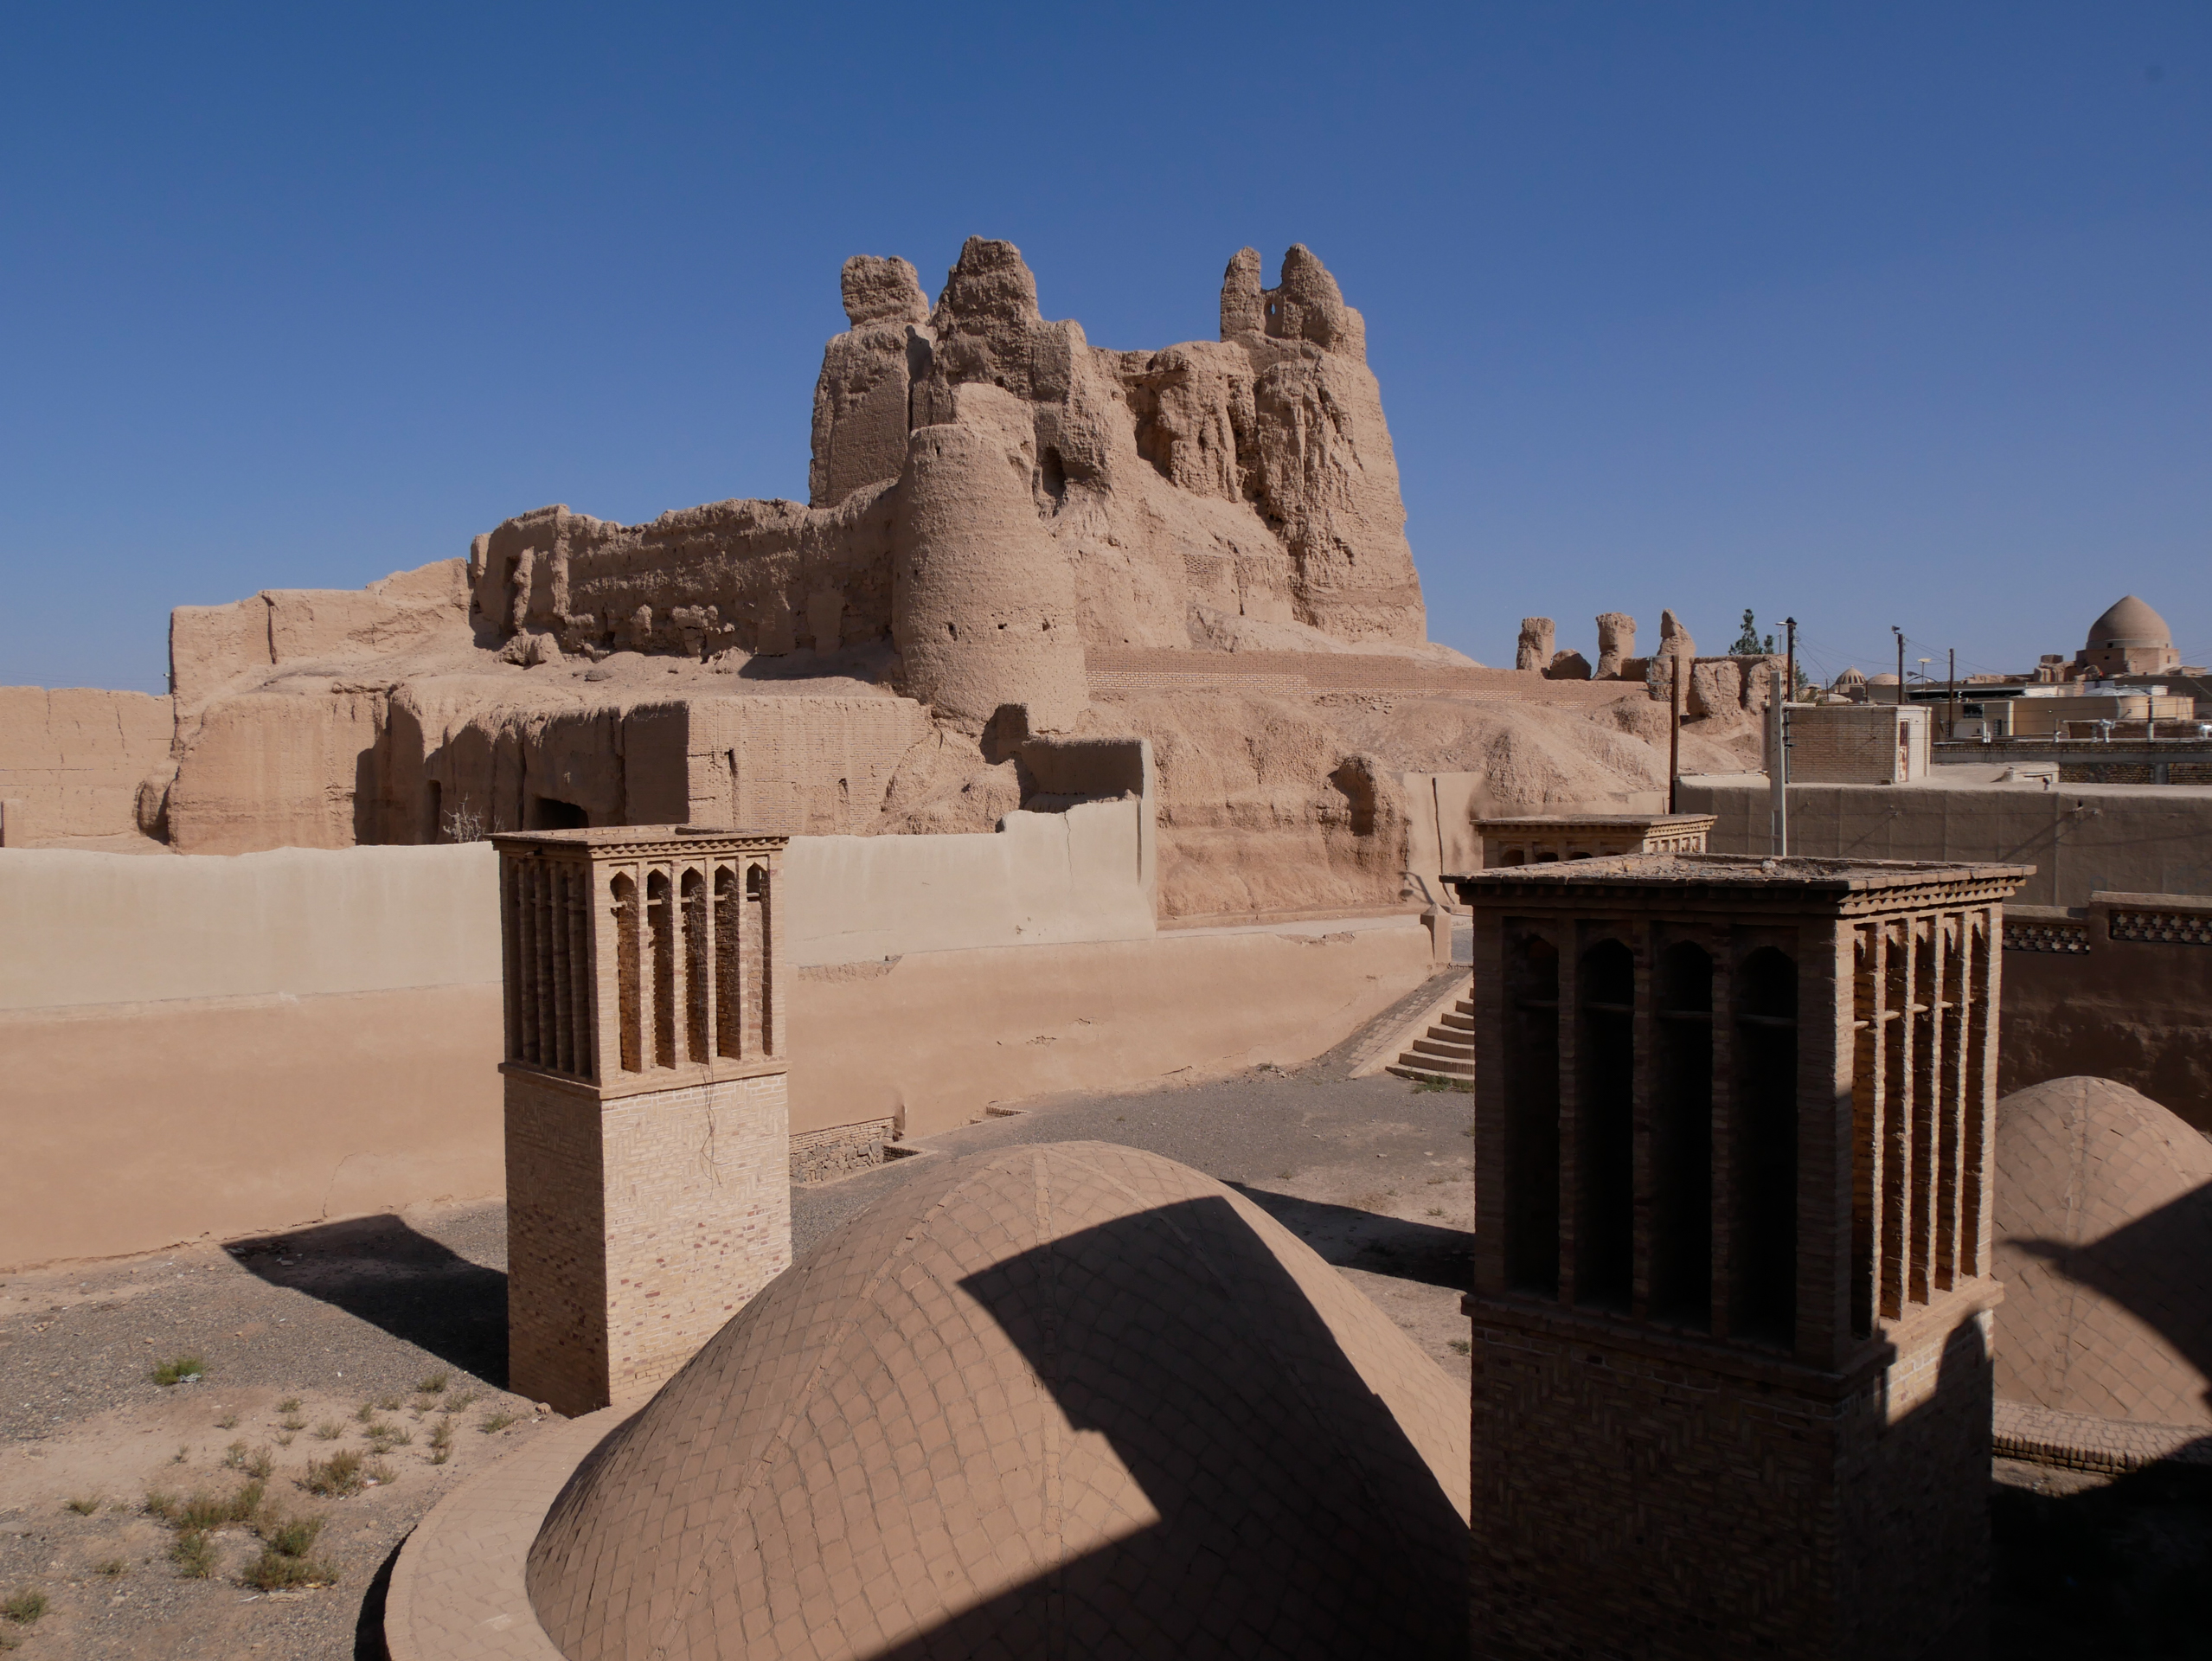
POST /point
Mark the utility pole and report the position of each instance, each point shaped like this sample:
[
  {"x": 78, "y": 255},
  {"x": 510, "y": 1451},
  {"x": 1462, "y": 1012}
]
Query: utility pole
[
  {"x": 1674, "y": 733},
  {"x": 1951, "y": 695},
  {"x": 1900, "y": 633},
  {"x": 1778, "y": 781}
]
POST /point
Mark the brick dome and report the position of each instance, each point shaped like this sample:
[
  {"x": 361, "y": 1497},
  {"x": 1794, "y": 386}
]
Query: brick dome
[
  {"x": 2129, "y": 622},
  {"x": 1063, "y": 1401},
  {"x": 2104, "y": 1242}
]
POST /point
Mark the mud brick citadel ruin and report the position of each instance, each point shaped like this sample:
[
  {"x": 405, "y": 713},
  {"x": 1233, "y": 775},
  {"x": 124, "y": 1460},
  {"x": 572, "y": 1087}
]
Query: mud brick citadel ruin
[{"x": 1841, "y": 1078}]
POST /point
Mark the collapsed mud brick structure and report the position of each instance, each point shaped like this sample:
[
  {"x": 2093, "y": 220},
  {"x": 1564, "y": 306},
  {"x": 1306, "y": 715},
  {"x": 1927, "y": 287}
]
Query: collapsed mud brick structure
[
  {"x": 1009, "y": 532},
  {"x": 1732, "y": 1288},
  {"x": 648, "y": 1138}
]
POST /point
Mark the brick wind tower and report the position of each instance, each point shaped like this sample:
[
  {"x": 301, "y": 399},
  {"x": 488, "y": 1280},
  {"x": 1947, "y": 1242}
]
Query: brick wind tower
[
  {"x": 647, "y": 1129},
  {"x": 1732, "y": 1387}
]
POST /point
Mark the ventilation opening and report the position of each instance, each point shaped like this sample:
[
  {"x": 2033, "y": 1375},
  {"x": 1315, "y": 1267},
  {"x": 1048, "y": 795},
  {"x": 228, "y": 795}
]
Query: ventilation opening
[
  {"x": 549, "y": 813},
  {"x": 1682, "y": 1140},
  {"x": 1765, "y": 1244},
  {"x": 1532, "y": 1118},
  {"x": 1605, "y": 1148}
]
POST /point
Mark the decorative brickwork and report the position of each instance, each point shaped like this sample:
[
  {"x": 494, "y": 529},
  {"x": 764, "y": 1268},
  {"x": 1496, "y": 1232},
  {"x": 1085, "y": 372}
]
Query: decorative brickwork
[
  {"x": 1542, "y": 838},
  {"x": 648, "y": 1128},
  {"x": 2166, "y": 927},
  {"x": 825, "y": 1156},
  {"x": 1732, "y": 1380},
  {"x": 2040, "y": 934}
]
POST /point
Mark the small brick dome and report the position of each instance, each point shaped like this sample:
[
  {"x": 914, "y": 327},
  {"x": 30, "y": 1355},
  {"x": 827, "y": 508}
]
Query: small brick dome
[
  {"x": 1074, "y": 1401},
  {"x": 2129, "y": 622},
  {"x": 2104, "y": 1242}
]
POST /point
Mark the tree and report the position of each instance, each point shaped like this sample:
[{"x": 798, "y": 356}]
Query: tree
[{"x": 1748, "y": 644}]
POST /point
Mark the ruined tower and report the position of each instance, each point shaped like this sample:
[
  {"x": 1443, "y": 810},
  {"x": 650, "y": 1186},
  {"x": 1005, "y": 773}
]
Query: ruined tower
[
  {"x": 648, "y": 1136},
  {"x": 1732, "y": 1130}
]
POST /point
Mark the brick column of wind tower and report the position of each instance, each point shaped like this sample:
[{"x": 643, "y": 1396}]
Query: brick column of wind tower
[
  {"x": 647, "y": 1126},
  {"x": 1732, "y": 1288}
]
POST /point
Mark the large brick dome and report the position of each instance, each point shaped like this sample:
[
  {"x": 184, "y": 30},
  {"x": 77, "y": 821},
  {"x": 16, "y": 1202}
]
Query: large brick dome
[
  {"x": 2128, "y": 622},
  {"x": 1055, "y": 1401},
  {"x": 2104, "y": 1227}
]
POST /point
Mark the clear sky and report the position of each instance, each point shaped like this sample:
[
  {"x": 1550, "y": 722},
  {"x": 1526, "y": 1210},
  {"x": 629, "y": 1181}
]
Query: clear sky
[{"x": 1872, "y": 313}]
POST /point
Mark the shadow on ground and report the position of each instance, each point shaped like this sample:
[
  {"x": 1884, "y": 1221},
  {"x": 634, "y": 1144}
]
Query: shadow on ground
[
  {"x": 2116, "y": 1570},
  {"x": 1353, "y": 1239},
  {"x": 381, "y": 1270}
]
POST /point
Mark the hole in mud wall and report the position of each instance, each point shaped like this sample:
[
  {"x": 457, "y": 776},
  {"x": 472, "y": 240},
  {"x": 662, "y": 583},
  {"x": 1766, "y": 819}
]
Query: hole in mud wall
[
  {"x": 433, "y": 806},
  {"x": 550, "y": 813},
  {"x": 1052, "y": 474}
]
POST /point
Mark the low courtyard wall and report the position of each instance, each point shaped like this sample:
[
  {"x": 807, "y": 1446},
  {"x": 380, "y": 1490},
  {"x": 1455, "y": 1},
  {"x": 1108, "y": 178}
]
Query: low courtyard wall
[
  {"x": 2081, "y": 838},
  {"x": 212, "y": 1047},
  {"x": 2120, "y": 988}
]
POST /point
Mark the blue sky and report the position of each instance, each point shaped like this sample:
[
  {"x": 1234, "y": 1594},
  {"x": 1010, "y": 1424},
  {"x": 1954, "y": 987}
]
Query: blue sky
[{"x": 1870, "y": 313}]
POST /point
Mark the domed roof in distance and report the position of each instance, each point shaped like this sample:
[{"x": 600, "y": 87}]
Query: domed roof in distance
[
  {"x": 1883, "y": 679},
  {"x": 1066, "y": 1400},
  {"x": 2104, "y": 1242},
  {"x": 2129, "y": 622},
  {"x": 1851, "y": 676}
]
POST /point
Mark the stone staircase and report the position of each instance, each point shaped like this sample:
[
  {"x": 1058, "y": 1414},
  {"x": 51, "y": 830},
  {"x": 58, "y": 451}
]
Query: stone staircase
[{"x": 1446, "y": 1053}]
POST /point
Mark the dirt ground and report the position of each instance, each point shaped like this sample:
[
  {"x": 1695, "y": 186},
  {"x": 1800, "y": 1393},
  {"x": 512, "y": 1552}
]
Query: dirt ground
[{"x": 352, "y": 1319}]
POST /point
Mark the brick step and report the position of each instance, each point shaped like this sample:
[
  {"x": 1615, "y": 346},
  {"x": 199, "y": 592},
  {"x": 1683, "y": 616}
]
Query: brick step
[
  {"x": 1454, "y": 1036},
  {"x": 1426, "y": 1050},
  {"x": 1458, "y": 1023},
  {"x": 1430, "y": 1075}
]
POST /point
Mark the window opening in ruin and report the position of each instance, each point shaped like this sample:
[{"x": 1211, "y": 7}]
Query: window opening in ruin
[
  {"x": 1548, "y": 857},
  {"x": 1682, "y": 1140},
  {"x": 1532, "y": 1119},
  {"x": 1514, "y": 856},
  {"x": 434, "y": 804},
  {"x": 662, "y": 926},
  {"x": 1604, "y": 1127},
  {"x": 628, "y": 1001},
  {"x": 697, "y": 980},
  {"x": 1866, "y": 1146},
  {"x": 550, "y": 813},
  {"x": 1765, "y": 1248},
  {"x": 729, "y": 1024}
]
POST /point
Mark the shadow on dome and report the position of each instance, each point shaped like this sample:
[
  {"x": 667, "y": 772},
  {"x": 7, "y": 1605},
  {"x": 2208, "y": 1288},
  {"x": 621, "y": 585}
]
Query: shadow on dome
[
  {"x": 1303, "y": 1515},
  {"x": 2159, "y": 1269}
]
